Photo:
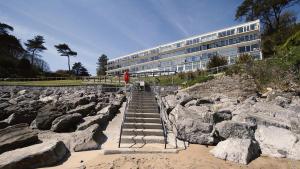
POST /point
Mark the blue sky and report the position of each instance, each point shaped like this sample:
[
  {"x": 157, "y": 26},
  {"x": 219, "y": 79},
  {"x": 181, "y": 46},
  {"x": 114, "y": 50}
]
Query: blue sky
[{"x": 112, "y": 27}]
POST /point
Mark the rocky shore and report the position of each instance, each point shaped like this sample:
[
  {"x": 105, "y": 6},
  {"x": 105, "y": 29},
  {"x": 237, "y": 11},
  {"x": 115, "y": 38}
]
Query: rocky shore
[
  {"x": 41, "y": 126},
  {"x": 243, "y": 124}
]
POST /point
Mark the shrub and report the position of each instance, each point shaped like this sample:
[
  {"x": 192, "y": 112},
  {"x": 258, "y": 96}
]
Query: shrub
[
  {"x": 217, "y": 61},
  {"x": 244, "y": 59}
]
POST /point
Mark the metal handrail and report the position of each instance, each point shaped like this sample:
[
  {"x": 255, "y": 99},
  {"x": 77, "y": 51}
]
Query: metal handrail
[
  {"x": 124, "y": 116},
  {"x": 162, "y": 113}
]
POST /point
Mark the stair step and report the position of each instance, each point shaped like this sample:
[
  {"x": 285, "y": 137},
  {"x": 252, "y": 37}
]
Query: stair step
[
  {"x": 131, "y": 110},
  {"x": 142, "y": 120},
  {"x": 142, "y": 139},
  {"x": 143, "y": 107},
  {"x": 142, "y": 126},
  {"x": 145, "y": 115},
  {"x": 144, "y": 132}
]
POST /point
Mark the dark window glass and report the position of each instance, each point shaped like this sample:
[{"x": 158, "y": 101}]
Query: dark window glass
[
  {"x": 247, "y": 48},
  {"x": 241, "y": 38},
  {"x": 222, "y": 43},
  {"x": 252, "y": 26},
  {"x": 228, "y": 33},
  {"x": 240, "y": 30},
  {"x": 230, "y": 41},
  {"x": 246, "y": 38},
  {"x": 242, "y": 49},
  {"x": 232, "y": 31}
]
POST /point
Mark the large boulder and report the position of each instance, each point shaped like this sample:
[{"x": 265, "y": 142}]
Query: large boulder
[
  {"x": 222, "y": 115},
  {"x": 102, "y": 117},
  {"x": 190, "y": 126},
  {"x": 183, "y": 98},
  {"x": 21, "y": 117},
  {"x": 41, "y": 155},
  {"x": 265, "y": 113},
  {"x": 237, "y": 150},
  {"x": 47, "y": 114},
  {"x": 227, "y": 129},
  {"x": 170, "y": 102},
  {"x": 17, "y": 136},
  {"x": 278, "y": 142},
  {"x": 88, "y": 139},
  {"x": 66, "y": 123},
  {"x": 84, "y": 110},
  {"x": 90, "y": 120}
]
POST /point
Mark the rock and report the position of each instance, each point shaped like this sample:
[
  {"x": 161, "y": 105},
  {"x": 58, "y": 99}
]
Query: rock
[
  {"x": 40, "y": 155},
  {"x": 46, "y": 115},
  {"x": 88, "y": 139},
  {"x": 90, "y": 120},
  {"x": 3, "y": 124},
  {"x": 189, "y": 126},
  {"x": 170, "y": 102},
  {"x": 237, "y": 150},
  {"x": 231, "y": 129},
  {"x": 49, "y": 99},
  {"x": 66, "y": 123},
  {"x": 84, "y": 110},
  {"x": 278, "y": 142},
  {"x": 99, "y": 106},
  {"x": 204, "y": 113},
  {"x": 234, "y": 86},
  {"x": 222, "y": 115},
  {"x": 21, "y": 117},
  {"x": 22, "y": 92},
  {"x": 16, "y": 136},
  {"x": 4, "y": 105},
  {"x": 102, "y": 118},
  {"x": 264, "y": 113},
  {"x": 204, "y": 101},
  {"x": 282, "y": 101},
  {"x": 79, "y": 101},
  {"x": 191, "y": 103},
  {"x": 183, "y": 97}
]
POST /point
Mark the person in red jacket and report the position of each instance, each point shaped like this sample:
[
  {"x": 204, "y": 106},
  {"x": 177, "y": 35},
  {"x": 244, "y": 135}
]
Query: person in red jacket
[{"x": 126, "y": 77}]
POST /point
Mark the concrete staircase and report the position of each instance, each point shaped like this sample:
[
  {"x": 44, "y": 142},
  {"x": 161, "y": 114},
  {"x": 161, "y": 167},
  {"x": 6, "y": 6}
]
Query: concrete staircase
[{"x": 142, "y": 123}]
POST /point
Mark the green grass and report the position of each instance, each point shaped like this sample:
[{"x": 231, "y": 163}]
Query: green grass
[{"x": 48, "y": 83}]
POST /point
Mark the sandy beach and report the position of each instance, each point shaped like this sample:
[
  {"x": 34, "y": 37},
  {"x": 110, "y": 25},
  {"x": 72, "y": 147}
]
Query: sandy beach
[{"x": 195, "y": 157}]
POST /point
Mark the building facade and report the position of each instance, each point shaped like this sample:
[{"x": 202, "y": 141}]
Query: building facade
[{"x": 193, "y": 53}]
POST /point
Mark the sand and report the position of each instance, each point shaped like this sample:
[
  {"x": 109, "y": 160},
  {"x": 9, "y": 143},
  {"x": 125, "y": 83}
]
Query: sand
[{"x": 195, "y": 157}]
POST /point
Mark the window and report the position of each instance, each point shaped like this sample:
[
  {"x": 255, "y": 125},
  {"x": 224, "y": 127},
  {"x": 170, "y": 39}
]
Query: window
[
  {"x": 232, "y": 31},
  {"x": 240, "y": 30},
  {"x": 178, "y": 45},
  {"x": 247, "y": 48},
  {"x": 230, "y": 41},
  {"x": 242, "y": 49},
  {"x": 252, "y": 26},
  {"x": 254, "y": 47},
  {"x": 246, "y": 38}
]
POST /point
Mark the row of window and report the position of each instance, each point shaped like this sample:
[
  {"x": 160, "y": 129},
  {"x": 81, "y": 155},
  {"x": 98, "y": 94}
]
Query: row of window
[{"x": 223, "y": 43}]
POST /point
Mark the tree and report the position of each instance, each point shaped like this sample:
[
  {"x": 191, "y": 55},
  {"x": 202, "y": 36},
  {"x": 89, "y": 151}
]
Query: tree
[
  {"x": 270, "y": 12},
  {"x": 216, "y": 61},
  {"x": 4, "y": 28},
  {"x": 102, "y": 63},
  {"x": 65, "y": 50},
  {"x": 79, "y": 69},
  {"x": 35, "y": 46}
]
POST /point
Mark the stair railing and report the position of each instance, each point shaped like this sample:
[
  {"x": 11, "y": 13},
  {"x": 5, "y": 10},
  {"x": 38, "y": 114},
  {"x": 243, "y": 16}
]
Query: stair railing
[
  {"x": 162, "y": 114},
  {"x": 129, "y": 97}
]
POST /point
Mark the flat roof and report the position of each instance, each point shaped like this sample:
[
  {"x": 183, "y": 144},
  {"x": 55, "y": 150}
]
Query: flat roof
[{"x": 181, "y": 40}]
